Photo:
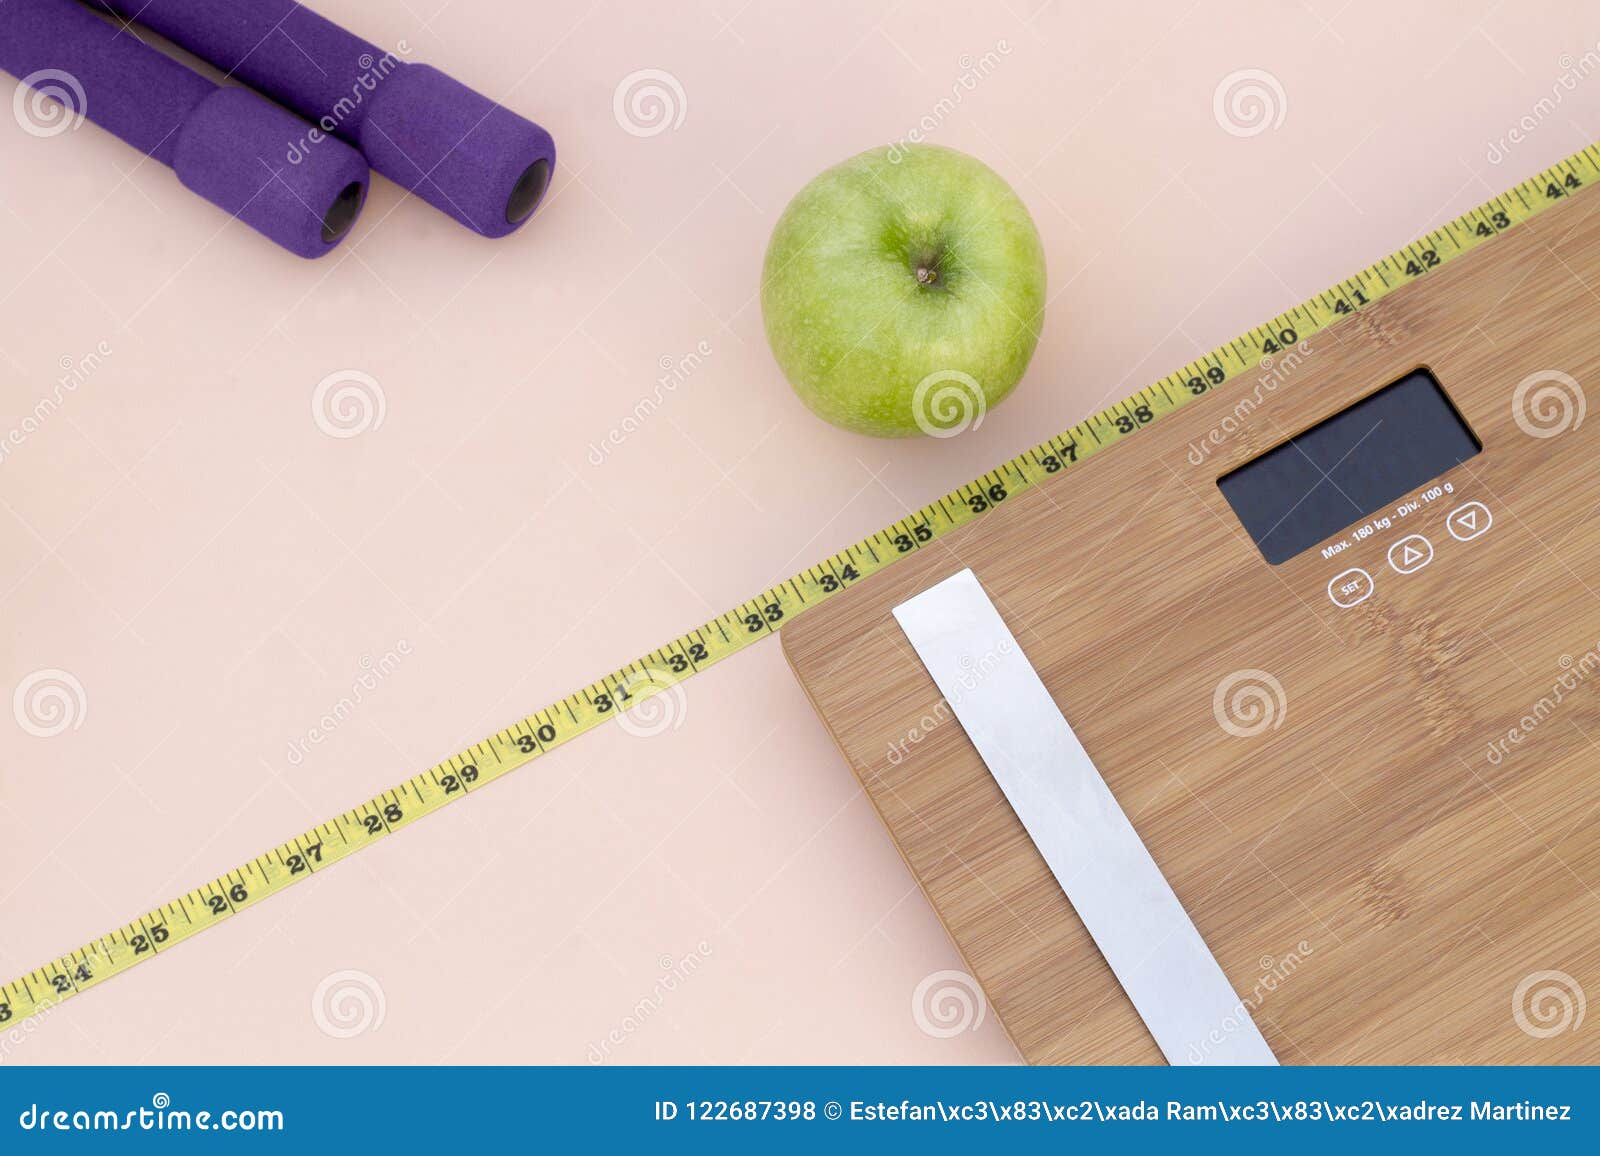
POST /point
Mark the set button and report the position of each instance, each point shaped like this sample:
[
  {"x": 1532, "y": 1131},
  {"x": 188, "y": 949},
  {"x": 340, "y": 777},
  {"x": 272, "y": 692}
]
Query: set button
[{"x": 1351, "y": 588}]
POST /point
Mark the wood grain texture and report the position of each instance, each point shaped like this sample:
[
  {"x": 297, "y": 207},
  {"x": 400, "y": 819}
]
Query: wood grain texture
[{"x": 1371, "y": 881}]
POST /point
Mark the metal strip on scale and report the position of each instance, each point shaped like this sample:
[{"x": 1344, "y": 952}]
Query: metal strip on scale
[{"x": 1073, "y": 819}]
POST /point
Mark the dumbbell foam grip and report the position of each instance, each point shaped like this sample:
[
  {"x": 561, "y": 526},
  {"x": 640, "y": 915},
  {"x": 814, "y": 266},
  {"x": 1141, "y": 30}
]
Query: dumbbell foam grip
[
  {"x": 226, "y": 144},
  {"x": 455, "y": 148}
]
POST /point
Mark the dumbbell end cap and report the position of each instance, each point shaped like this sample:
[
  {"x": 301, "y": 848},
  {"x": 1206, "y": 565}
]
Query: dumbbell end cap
[
  {"x": 238, "y": 151},
  {"x": 472, "y": 159},
  {"x": 528, "y": 192},
  {"x": 343, "y": 212}
]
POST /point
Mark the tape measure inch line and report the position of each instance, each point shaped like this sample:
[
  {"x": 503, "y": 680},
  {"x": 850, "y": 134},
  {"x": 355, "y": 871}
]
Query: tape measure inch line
[{"x": 462, "y": 774}]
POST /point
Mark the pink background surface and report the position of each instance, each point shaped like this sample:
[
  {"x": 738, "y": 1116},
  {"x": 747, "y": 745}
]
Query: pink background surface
[{"x": 214, "y": 569}]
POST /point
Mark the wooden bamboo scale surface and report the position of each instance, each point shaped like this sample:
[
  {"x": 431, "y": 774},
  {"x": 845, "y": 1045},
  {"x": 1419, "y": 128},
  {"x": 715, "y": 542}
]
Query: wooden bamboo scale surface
[{"x": 1380, "y": 872}]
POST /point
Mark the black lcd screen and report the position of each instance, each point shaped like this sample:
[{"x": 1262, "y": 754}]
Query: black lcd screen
[{"x": 1348, "y": 466}]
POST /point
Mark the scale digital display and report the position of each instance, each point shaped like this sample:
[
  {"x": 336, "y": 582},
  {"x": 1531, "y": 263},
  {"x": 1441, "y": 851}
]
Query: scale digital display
[{"x": 1348, "y": 466}]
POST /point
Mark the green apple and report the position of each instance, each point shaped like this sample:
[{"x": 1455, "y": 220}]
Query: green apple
[{"x": 903, "y": 291}]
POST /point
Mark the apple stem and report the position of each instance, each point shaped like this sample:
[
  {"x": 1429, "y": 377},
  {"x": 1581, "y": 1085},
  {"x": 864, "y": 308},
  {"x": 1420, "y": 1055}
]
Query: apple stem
[{"x": 926, "y": 276}]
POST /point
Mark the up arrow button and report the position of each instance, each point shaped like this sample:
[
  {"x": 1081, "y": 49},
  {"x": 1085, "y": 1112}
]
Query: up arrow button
[
  {"x": 1410, "y": 554},
  {"x": 1468, "y": 521}
]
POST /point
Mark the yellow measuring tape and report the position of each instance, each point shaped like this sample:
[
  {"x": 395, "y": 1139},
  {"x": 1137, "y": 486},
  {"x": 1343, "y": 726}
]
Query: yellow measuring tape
[{"x": 521, "y": 743}]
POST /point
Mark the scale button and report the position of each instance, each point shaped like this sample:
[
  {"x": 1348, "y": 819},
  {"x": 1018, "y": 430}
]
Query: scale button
[
  {"x": 1410, "y": 554},
  {"x": 1351, "y": 587},
  {"x": 1468, "y": 521}
]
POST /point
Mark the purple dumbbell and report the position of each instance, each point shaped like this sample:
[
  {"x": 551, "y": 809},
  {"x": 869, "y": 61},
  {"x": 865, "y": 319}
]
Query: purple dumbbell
[
  {"x": 455, "y": 148},
  {"x": 224, "y": 143}
]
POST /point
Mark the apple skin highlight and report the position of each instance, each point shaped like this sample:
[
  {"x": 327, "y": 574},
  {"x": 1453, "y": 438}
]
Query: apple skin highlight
[{"x": 894, "y": 267}]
